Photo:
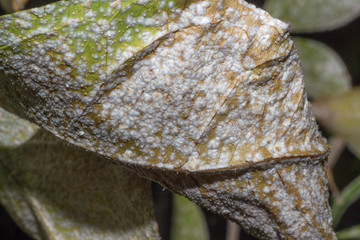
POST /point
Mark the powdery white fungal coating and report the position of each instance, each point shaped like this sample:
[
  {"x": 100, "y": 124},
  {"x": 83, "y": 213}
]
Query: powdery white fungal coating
[
  {"x": 287, "y": 200},
  {"x": 75, "y": 50},
  {"x": 210, "y": 88},
  {"x": 217, "y": 86}
]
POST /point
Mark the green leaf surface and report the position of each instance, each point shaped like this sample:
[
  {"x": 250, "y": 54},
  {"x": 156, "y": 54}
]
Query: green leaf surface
[
  {"x": 348, "y": 195},
  {"x": 324, "y": 71},
  {"x": 86, "y": 40},
  {"x": 341, "y": 115},
  {"x": 314, "y": 15},
  {"x": 188, "y": 220},
  {"x": 352, "y": 233},
  {"x": 57, "y": 191}
]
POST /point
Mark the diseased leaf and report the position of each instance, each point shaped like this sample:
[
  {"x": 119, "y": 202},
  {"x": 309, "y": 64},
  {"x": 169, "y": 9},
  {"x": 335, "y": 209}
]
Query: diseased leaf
[
  {"x": 314, "y": 15},
  {"x": 271, "y": 201},
  {"x": 178, "y": 102},
  {"x": 348, "y": 195},
  {"x": 341, "y": 115},
  {"x": 188, "y": 221},
  {"x": 205, "y": 97},
  {"x": 57, "y": 191},
  {"x": 325, "y": 73}
]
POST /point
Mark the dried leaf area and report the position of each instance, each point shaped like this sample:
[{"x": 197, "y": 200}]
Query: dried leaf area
[
  {"x": 274, "y": 201},
  {"x": 332, "y": 80},
  {"x": 205, "y": 97}
]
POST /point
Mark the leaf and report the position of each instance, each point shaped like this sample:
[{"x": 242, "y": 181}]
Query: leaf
[
  {"x": 205, "y": 97},
  {"x": 325, "y": 73},
  {"x": 14, "y": 131},
  {"x": 272, "y": 201},
  {"x": 57, "y": 191},
  {"x": 11, "y": 6},
  {"x": 352, "y": 233},
  {"x": 78, "y": 53},
  {"x": 188, "y": 220},
  {"x": 141, "y": 100},
  {"x": 341, "y": 115},
  {"x": 348, "y": 195},
  {"x": 314, "y": 15}
]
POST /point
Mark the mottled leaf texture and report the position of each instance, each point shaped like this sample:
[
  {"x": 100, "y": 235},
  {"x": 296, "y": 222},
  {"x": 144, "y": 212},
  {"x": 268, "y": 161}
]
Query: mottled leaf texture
[
  {"x": 325, "y": 72},
  {"x": 205, "y": 97},
  {"x": 57, "y": 191},
  {"x": 314, "y": 15}
]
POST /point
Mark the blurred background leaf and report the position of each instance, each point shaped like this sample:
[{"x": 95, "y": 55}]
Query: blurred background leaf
[
  {"x": 13, "y": 130},
  {"x": 341, "y": 115},
  {"x": 11, "y": 6},
  {"x": 188, "y": 220},
  {"x": 54, "y": 190},
  {"x": 324, "y": 71},
  {"x": 348, "y": 195},
  {"x": 352, "y": 233},
  {"x": 314, "y": 15}
]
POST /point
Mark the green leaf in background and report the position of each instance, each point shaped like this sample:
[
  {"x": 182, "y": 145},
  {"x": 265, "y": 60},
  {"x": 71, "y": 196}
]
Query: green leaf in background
[
  {"x": 10, "y": 6},
  {"x": 314, "y": 15},
  {"x": 351, "y": 233},
  {"x": 341, "y": 115},
  {"x": 348, "y": 195},
  {"x": 188, "y": 220},
  {"x": 13, "y": 130},
  {"x": 54, "y": 190},
  {"x": 325, "y": 72}
]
